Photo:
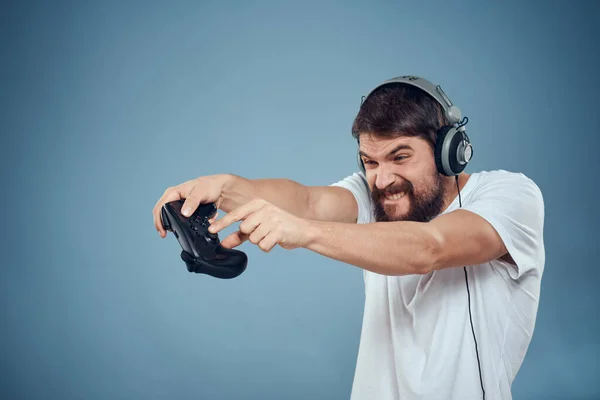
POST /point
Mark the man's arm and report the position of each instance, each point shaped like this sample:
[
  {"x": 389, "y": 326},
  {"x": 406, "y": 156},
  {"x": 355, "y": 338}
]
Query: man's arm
[
  {"x": 230, "y": 192},
  {"x": 504, "y": 219},
  {"x": 402, "y": 248},
  {"x": 324, "y": 203},
  {"x": 494, "y": 224}
]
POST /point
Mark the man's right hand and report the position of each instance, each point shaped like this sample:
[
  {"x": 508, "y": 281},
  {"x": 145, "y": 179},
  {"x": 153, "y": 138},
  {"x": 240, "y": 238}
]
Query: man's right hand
[{"x": 202, "y": 190}]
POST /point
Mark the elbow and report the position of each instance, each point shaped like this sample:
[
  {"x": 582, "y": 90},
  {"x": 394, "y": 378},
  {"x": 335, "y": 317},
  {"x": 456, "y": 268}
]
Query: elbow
[{"x": 431, "y": 255}]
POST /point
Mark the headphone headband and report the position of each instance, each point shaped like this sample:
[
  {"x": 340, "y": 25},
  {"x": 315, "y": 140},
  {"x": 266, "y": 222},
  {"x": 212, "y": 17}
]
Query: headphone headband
[
  {"x": 452, "y": 112},
  {"x": 453, "y": 150}
]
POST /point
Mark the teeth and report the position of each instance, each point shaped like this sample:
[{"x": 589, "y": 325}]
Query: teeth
[{"x": 396, "y": 196}]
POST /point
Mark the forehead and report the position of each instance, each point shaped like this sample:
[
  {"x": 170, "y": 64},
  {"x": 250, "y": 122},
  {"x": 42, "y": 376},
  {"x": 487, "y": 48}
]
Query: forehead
[{"x": 378, "y": 145}]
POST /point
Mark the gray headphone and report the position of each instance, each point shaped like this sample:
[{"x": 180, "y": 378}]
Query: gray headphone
[{"x": 453, "y": 150}]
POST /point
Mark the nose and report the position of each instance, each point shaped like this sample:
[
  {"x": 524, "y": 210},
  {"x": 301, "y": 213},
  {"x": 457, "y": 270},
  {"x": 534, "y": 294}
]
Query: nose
[{"x": 384, "y": 178}]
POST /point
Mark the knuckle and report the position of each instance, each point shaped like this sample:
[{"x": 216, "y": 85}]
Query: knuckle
[
  {"x": 253, "y": 238},
  {"x": 191, "y": 196},
  {"x": 260, "y": 202},
  {"x": 264, "y": 247},
  {"x": 191, "y": 202},
  {"x": 244, "y": 227}
]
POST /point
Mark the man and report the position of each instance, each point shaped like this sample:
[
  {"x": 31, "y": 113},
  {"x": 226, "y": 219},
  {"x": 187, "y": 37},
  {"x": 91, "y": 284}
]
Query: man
[{"x": 452, "y": 261}]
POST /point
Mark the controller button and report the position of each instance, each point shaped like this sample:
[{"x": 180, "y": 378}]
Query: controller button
[{"x": 212, "y": 236}]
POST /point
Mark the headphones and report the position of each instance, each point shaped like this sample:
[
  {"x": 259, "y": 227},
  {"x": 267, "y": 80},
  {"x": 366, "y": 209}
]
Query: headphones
[{"x": 453, "y": 150}]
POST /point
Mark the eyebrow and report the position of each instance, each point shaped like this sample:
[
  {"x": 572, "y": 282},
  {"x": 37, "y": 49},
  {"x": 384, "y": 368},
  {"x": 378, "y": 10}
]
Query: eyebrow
[{"x": 397, "y": 148}]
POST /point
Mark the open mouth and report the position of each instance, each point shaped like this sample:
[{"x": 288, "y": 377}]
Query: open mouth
[{"x": 395, "y": 196}]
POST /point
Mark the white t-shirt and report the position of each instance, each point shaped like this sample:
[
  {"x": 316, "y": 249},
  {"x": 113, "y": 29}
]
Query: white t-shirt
[{"x": 416, "y": 340}]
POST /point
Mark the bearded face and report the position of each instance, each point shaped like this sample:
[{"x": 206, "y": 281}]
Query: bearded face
[
  {"x": 404, "y": 181},
  {"x": 418, "y": 201}
]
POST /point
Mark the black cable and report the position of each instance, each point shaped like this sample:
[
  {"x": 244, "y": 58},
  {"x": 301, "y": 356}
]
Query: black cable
[{"x": 469, "y": 299}]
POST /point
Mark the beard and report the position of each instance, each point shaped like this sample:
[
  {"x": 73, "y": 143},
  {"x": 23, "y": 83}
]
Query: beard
[{"x": 423, "y": 206}]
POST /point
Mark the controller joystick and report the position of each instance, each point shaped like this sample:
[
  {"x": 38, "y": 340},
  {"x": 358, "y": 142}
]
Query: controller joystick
[{"x": 201, "y": 250}]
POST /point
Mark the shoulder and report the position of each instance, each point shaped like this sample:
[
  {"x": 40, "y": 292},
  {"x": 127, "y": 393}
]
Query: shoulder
[
  {"x": 503, "y": 184},
  {"x": 510, "y": 201},
  {"x": 502, "y": 176},
  {"x": 354, "y": 179},
  {"x": 357, "y": 185}
]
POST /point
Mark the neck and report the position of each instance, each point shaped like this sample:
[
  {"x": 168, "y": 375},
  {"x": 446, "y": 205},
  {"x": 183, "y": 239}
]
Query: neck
[{"x": 450, "y": 187}]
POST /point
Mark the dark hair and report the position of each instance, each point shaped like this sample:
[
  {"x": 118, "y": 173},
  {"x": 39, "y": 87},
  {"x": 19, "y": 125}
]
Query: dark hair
[{"x": 398, "y": 109}]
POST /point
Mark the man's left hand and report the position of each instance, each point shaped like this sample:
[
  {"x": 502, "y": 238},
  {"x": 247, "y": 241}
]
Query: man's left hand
[{"x": 265, "y": 225}]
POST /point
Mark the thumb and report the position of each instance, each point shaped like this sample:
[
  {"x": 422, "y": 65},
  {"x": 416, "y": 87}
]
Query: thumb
[
  {"x": 217, "y": 205},
  {"x": 234, "y": 240},
  {"x": 213, "y": 219}
]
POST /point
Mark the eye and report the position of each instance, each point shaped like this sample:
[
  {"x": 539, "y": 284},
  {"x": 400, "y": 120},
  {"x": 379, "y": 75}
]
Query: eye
[{"x": 400, "y": 158}]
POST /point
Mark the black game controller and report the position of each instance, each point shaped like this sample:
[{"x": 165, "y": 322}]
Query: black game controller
[{"x": 201, "y": 250}]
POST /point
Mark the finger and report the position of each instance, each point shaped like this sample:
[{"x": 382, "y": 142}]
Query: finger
[
  {"x": 259, "y": 233},
  {"x": 217, "y": 205},
  {"x": 219, "y": 201},
  {"x": 171, "y": 194},
  {"x": 236, "y": 215},
  {"x": 192, "y": 201},
  {"x": 251, "y": 221},
  {"x": 234, "y": 240},
  {"x": 268, "y": 242},
  {"x": 213, "y": 219}
]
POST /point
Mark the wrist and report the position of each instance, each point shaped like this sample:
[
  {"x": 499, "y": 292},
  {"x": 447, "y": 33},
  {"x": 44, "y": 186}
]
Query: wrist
[
  {"x": 226, "y": 181},
  {"x": 235, "y": 191},
  {"x": 314, "y": 231}
]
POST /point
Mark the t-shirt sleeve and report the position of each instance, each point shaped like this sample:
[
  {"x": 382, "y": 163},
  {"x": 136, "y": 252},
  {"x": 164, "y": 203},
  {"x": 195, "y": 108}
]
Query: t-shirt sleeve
[
  {"x": 357, "y": 185},
  {"x": 513, "y": 204}
]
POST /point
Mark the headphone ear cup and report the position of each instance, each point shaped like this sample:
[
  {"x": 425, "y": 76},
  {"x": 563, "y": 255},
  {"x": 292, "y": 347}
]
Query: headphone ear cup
[
  {"x": 439, "y": 147},
  {"x": 446, "y": 151}
]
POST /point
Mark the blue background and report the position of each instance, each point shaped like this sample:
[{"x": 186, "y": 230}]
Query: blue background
[{"x": 104, "y": 105}]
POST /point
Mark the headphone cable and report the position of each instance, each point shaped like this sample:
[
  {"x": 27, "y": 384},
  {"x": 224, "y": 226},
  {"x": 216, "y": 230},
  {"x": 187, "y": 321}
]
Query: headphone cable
[{"x": 469, "y": 299}]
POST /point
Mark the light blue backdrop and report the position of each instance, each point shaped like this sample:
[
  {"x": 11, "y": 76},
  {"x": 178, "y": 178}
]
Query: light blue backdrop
[{"x": 106, "y": 104}]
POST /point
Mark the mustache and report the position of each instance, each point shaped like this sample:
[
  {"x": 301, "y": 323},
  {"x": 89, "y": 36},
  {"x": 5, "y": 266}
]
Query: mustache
[{"x": 406, "y": 187}]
